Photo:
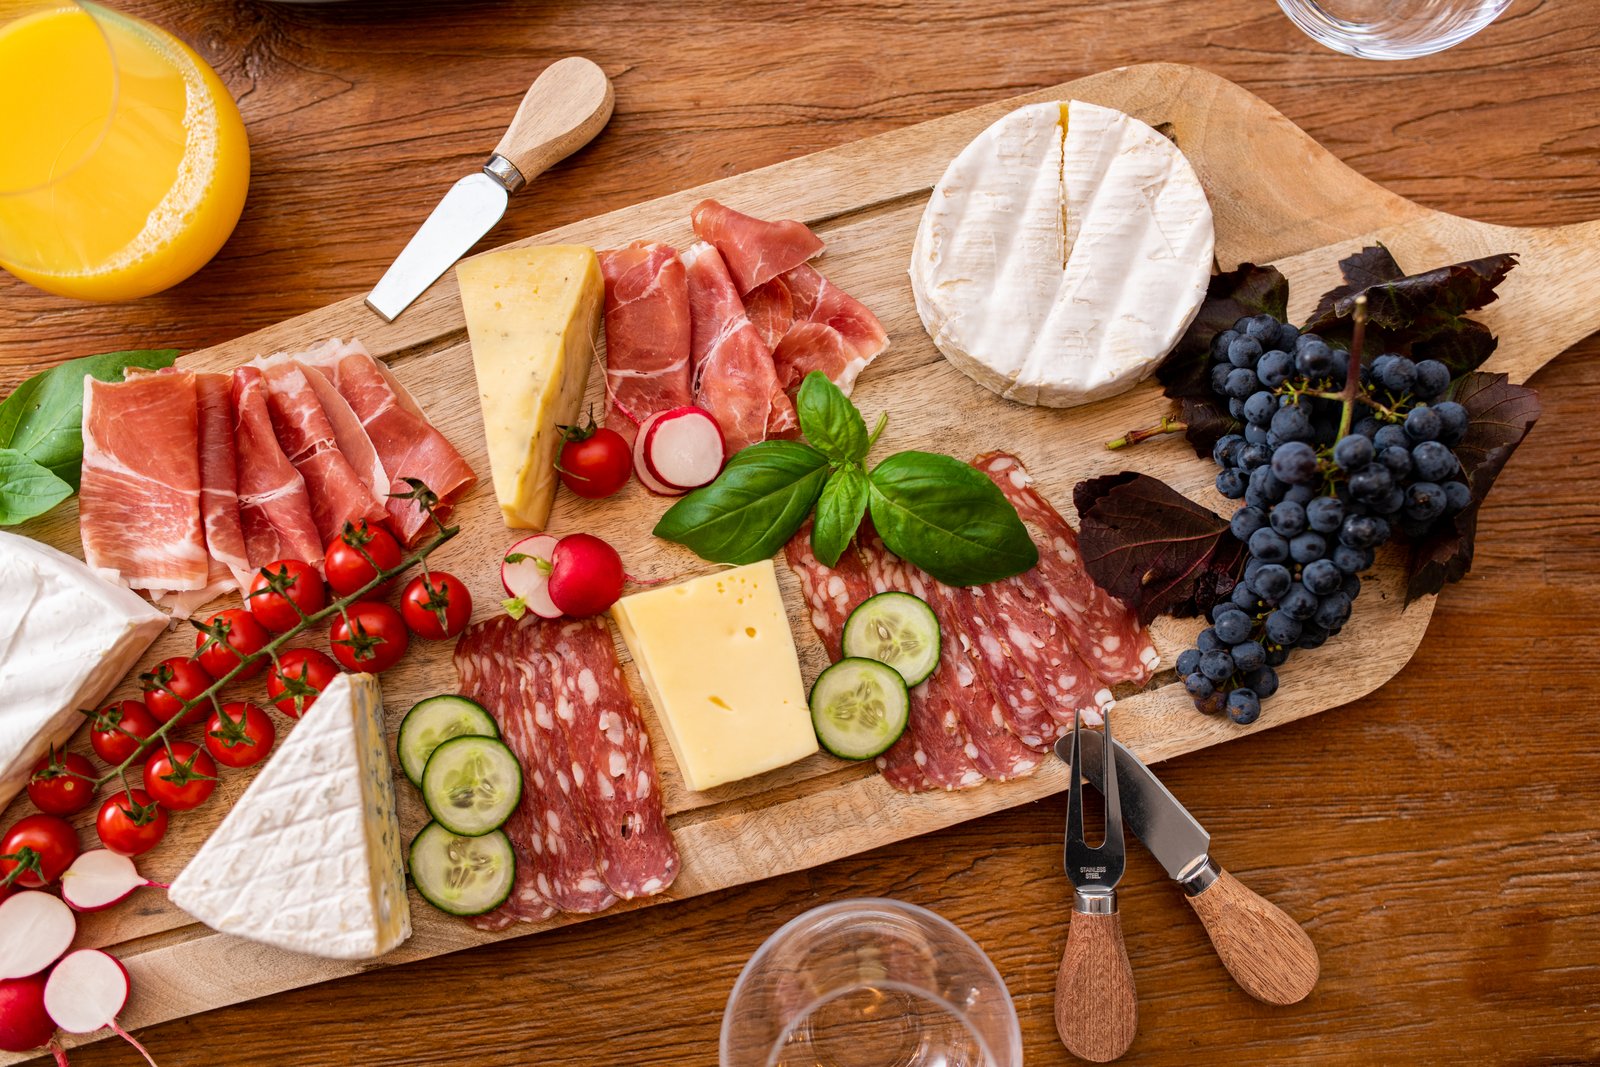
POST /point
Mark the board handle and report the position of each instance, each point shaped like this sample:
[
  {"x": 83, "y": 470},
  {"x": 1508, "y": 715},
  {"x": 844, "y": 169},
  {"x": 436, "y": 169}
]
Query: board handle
[
  {"x": 567, "y": 104},
  {"x": 1267, "y": 953},
  {"x": 1097, "y": 1010}
]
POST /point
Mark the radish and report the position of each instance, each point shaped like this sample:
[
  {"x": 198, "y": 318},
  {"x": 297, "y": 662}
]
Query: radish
[
  {"x": 35, "y": 929},
  {"x": 642, "y": 468},
  {"x": 683, "y": 448},
  {"x": 585, "y": 575},
  {"x": 85, "y": 993},
  {"x": 100, "y": 878},
  {"x": 525, "y": 574},
  {"x": 24, "y": 1024}
]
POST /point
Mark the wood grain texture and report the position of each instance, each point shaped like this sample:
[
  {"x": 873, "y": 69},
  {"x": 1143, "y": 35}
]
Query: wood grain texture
[
  {"x": 1378, "y": 824},
  {"x": 1265, "y": 950},
  {"x": 567, "y": 104},
  {"x": 1097, "y": 1004}
]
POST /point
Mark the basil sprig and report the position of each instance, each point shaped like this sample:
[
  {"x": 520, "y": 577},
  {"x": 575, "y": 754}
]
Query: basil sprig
[{"x": 936, "y": 512}]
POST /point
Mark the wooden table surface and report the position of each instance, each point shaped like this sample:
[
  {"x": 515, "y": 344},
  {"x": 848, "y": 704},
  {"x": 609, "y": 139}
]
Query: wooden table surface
[{"x": 1440, "y": 840}]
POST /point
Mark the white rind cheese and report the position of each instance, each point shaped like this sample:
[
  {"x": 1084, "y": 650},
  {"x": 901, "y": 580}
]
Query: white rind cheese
[
  {"x": 1063, "y": 254},
  {"x": 309, "y": 858},
  {"x": 67, "y": 637}
]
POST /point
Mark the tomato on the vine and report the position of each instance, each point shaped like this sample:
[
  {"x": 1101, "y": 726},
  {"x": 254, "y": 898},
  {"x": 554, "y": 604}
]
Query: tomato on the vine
[
  {"x": 62, "y": 783},
  {"x": 436, "y": 605},
  {"x": 116, "y": 729},
  {"x": 348, "y": 569},
  {"x": 240, "y": 735},
  {"x": 36, "y": 850},
  {"x": 301, "y": 674},
  {"x": 369, "y": 637},
  {"x": 228, "y": 637},
  {"x": 594, "y": 462},
  {"x": 131, "y": 822},
  {"x": 174, "y": 682},
  {"x": 180, "y": 776},
  {"x": 278, "y": 588}
]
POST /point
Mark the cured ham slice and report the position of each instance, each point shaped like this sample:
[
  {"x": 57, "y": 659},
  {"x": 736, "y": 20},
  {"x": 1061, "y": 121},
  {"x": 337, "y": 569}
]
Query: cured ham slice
[
  {"x": 229, "y": 562},
  {"x": 139, "y": 497},
  {"x": 307, "y": 436},
  {"x": 812, "y": 324},
  {"x": 647, "y": 334},
  {"x": 407, "y": 444},
  {"x": 756, "y": 251},
  {"x": 733, "y": 374},
  {"x": 274, "y": 507}
]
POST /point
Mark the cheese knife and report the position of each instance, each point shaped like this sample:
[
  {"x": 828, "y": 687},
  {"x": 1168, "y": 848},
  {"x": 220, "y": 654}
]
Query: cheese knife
[
  {"x": 561, "y": 112},
  {"x": 1267, "y": 953}
]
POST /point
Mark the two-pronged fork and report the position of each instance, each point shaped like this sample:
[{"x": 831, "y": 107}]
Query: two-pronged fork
[{"x": 1096, "y": 1009}]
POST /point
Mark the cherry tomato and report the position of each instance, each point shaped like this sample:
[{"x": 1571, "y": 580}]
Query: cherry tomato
[
  {"x": 301, "y": 674},
  {"x": 436, "y": 606},
  {"x": 372, "y": 640},
  {"x": 182, "y": 778},
  {"x": 131, "y": 823},
  {"x": 240, "y": 735},
  {"x": 62, "y": 783},
  {"x": 173, "y": 682},
  {"x": 594, "y": 462},
  {"x": 226, "y": 638},
  {"x": 300, "y": 584},
  {"x": 116, "y": 729},
  {"x": 42, "y": 846},
  {"x": 346, "y": 567}
]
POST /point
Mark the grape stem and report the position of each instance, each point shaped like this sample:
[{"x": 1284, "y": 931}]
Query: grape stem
[
  {"x": 1168, "y": 424},
  {"x": 1352, "y": 376}
]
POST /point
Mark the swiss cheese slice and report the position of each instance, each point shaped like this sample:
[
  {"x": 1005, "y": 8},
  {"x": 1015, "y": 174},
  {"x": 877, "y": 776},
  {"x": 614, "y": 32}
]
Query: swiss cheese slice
[
  {"x": 533, "y": 317},
  {"x": 1063, "y": 254}
]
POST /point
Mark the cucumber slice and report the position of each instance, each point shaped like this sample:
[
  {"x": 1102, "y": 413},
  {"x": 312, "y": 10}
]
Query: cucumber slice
[
  {"x": 859, "y": 707},
  {"x": 432, "y": 722},
  {"x": 898, "y": 629},
  {"x": 462, "y": 875},
  {"x": 471, "y": 785}
]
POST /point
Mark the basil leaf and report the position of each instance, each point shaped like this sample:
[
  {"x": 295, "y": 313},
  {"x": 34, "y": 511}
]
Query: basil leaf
[
  {"x": 829, "y": 421},
  {"x": 948, "y": 519},
  {"x": 27, "y": 489},
  {"x": 755, "y": 505},
  {"x": 43, "y": 419},
  {"x": 839, "y": 511}
]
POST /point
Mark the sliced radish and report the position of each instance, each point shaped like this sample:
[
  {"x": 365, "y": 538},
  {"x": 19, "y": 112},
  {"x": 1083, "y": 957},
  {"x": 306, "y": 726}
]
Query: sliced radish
[
  {"x": 24, "y": 1024},
  {"x": 100, "y": 878},
  {"x": 642, "y": 468},
  {"x": 35, "y": 929},
  {"x": 87, "y": 991},
  {"x": 525, "y": 574},
  {"x": 683, "y": 448}
]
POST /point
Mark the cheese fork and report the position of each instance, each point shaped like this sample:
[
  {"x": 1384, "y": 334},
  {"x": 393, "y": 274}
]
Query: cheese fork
[{"x": 1096, "y": 1009}]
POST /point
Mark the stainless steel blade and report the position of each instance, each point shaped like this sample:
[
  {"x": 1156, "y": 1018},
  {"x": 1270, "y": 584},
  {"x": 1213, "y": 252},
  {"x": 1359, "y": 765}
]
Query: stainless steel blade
[
  {"x": 468, "y": 211},
  {"x": 1178, "y": 842}
]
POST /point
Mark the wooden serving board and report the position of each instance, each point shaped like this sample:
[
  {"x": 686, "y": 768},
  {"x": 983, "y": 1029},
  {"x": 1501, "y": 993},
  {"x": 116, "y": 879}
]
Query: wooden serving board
[{"x": 1277, "y": 196}]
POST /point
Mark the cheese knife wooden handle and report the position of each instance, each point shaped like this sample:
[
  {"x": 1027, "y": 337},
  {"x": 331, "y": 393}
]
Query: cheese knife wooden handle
[
  {"x": 563, "y": 109},
  {"x": 1097, "y": 1011},
  {"x": 1267, "y": 953}
]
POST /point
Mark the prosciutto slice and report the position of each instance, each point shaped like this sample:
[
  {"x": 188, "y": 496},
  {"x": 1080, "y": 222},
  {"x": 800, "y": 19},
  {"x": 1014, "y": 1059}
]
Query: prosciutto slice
[
  {"x": 274, "y": 507},
  {"x": 733, "y": 374},
  {"x": 139, "y": 497},
  {"x": 812, "y": 324},
  {"x": 756, "y": 251},
  {"x": 647, "y": 334}
]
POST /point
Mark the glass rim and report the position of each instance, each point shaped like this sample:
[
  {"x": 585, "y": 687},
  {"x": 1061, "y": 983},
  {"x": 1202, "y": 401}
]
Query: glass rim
[{"x": 9, "y": 15}]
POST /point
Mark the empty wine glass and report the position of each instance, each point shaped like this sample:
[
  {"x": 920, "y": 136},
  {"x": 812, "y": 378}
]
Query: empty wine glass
[
  {"x": 1392, "y": 29},
  {"x": 870, "y": 983}
]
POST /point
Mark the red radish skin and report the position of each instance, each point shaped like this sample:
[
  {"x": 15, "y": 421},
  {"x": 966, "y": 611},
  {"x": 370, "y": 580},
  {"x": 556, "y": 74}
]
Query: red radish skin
[
  {"x": 35, "y": 929},
  {"x": 87, "y": 991},
  {"x": 684, "y": 448},
  {"x": 100, "y": 878},
  {"x": 527, "y": 581},
  {"x": 24, "y": 1024},
  {"x": 586, "y": 575},
  {"x": 641, "y": 468}
]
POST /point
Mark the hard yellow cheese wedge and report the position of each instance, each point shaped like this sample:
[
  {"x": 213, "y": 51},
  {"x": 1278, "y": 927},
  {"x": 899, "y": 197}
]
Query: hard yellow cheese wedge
[
  {"x": 718, "y": 659},
  {"x": 533, "y": 316}
]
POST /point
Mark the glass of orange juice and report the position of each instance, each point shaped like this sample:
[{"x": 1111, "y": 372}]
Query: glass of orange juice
[{"x": 123, "y": 161}]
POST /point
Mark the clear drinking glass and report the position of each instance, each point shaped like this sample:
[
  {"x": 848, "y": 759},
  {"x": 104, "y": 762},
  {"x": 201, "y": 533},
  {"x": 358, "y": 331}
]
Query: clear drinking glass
[
  {"x": 1392, "y": 29},
  {"x": 870, "y": 983}
]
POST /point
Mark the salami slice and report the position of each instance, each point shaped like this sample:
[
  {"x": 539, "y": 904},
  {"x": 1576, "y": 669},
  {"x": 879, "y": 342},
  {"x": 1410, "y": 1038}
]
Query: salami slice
[
  {"x": 612, "y": 767},
  {"x": 1105, "y": 633}
]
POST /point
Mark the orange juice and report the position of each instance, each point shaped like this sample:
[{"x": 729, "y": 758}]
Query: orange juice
[{"x": 123, "y": 162}]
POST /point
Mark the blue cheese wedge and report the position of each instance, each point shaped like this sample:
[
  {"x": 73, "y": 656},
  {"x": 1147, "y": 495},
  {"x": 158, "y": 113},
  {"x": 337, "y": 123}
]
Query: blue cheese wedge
[{"x": 309, "y": 858}]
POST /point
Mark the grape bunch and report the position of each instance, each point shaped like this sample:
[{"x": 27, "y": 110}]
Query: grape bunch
[{"x": 1315, "y": 505}]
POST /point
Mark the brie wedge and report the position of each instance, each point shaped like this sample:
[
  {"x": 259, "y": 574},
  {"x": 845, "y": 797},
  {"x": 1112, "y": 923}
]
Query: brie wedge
[
  {"x": 1063, "y": 254},
  {"x": 67, "y": 636},
  {"x": 309, "y": 858}
]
